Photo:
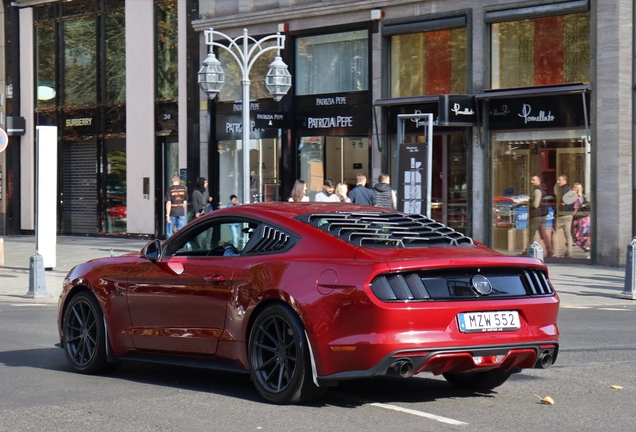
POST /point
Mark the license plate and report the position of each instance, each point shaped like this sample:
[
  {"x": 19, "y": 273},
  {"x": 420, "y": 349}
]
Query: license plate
[{"x": 488, "y": 321}]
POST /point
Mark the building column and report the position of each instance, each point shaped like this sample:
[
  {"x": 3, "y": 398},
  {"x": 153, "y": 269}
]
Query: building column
[
  {"x": 140, "y": 116},
  {"x": 612, "y": 142}
]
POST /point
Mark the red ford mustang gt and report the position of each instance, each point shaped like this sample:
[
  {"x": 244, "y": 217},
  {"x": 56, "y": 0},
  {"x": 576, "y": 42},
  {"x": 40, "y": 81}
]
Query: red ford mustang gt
[{"x": 301, "y": 296}]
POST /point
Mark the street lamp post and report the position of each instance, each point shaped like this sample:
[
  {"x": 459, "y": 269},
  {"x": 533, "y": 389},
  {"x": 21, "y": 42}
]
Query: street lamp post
[{"x": 212, "y": 78}]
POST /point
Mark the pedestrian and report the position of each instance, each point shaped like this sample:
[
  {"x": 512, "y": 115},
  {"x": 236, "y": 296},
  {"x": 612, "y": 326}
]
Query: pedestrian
[
  {"x": 361, "y": 194},
  {"x": 538, "y": 208},
  {"x": 176, "y": 204},
  {"x": 565, "y": 210},
  {"x": 299, "y": 192},
  {"x": 200, "y": 198},
  {"x": 581, "y": 219},
  {"x": 342, "y": 190},
  {"x": 327, "y": 194},
  {"x": 384, "y": 195},
  {"x": 234, "y": 226}
]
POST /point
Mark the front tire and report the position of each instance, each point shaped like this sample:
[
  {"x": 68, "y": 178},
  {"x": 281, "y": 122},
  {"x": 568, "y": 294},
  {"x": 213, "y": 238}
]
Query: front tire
[
  {"x": 85, "y": 335},
  {"x": 279, "y": 359},
  {"x": 487, "y": 380}
]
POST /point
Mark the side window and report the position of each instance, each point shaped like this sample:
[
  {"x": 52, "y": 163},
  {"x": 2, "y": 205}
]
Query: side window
[
  {"x": 196, "y": 242},
  {"x": 237, "y": 234},
  {"x": 218, "y": 239}
]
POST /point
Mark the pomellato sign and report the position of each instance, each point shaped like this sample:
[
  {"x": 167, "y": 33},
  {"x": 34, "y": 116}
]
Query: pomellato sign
[
  {"x": 537, "y": 112},
  {"x": 457, "y": 110}
]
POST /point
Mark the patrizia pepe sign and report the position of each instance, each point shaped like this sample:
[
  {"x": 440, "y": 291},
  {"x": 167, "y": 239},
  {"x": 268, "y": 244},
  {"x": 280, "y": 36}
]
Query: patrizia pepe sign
[{"x": 537, "y": 112}]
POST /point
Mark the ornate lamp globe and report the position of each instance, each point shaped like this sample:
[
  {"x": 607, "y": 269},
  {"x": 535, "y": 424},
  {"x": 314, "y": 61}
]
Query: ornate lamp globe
[
  {"x": 278, "y": 80},
  {"x": 211, "y": 76}
]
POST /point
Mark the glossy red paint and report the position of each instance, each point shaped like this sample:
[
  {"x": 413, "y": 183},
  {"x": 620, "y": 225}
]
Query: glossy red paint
[{"x": 204, "y": 307}]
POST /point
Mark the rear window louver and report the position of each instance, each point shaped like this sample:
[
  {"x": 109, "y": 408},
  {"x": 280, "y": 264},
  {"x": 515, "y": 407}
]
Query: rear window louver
[
  {"x": 379, "y": 229},
  {"x": 537, "y": 282},
  {"x": 450, "y": 285},
  {"x": 269, "y": 239}
]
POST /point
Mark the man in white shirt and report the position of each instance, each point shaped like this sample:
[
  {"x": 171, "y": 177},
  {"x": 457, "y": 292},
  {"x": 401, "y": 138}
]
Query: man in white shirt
[{"x": 327, "y": 194}]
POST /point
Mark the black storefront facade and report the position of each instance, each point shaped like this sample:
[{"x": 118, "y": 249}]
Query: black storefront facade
[
  {"x": 331, "y": 136},
  {"x": 323, "y": 136},
  {"x": 267, "y": 126},
  {"x": 541, "y": 131}
]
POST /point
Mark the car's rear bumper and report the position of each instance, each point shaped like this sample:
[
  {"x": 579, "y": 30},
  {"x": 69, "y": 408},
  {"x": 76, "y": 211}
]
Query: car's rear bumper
[{"x": 458, "y": 359}]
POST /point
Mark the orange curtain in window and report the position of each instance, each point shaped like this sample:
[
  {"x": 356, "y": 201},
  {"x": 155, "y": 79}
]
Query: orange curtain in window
[
  {"x": 438, "y": 62},
  {"x": 548, "y": 50}
]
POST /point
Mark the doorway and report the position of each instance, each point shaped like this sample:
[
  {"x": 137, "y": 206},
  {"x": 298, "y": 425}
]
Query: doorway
[{"x": 449, "y": 191}]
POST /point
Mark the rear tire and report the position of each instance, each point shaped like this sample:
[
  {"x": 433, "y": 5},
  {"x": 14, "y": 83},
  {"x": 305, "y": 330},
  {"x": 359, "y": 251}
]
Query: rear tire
[
  {"x": 487, "y": 380},
  {"x": 85, "y": 336},
  {"x": 278, "y": 352}
]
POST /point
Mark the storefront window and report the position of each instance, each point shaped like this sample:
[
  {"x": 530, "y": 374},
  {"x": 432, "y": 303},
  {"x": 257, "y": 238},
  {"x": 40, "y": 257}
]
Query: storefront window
[
  {"x": 337, "y": 158},
  {"x": 541, "y": 51},
  {"x": 115, "y": 176},
  {"x": 115, "y": 57},
  {"x": 531, "y": 161},
  {"x": 427, "y": 63},
  {"x": 80, "y": 62},
  {"x": 332, "y": 63},
  {"x": 264, "y": 182},
  {"x": 45, "y": 35},
  {"x": 167, "y": 61}
]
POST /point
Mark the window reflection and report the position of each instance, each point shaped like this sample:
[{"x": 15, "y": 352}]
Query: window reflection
[
  {"x": 517, "y": 221},
  {"x": 115, "y": 57},
  {"x": 332, "y": 63},
  {"x": 232, "y": 90},
  {"x": 46, "y": 92},
  {"x": 115, "y": 175},
  {"x": 264, "y": 157},
  {"x": 541, "y": 51},
  {"x": 167, "y": 61},
  {"x": 80, "y": 67},
  {"x": 431, "y": 62}
]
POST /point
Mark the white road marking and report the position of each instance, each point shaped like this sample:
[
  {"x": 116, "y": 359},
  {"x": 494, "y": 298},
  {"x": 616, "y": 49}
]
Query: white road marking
[
  {"x": 31, "y": 304},
  {"x": 576, "y": 307},
  {"x": 615, "y": 309},
  {"x": 420, "y": 414}
]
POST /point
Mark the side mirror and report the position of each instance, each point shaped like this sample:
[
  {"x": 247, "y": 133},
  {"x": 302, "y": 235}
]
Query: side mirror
[{"x": 152, "y": 251}]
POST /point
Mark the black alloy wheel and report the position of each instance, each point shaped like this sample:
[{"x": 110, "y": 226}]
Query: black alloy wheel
[
  {"x": 85, "y": 336},
  {"x": 279, "y": 357}
]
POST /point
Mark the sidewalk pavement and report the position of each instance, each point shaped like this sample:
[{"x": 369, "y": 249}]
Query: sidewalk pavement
[{"x": 578, "y": 285}]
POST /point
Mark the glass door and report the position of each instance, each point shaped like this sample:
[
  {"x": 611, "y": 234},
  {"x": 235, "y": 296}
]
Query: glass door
[
  {"x": 264, "y": 181},
  {"x": 449, "y": 181}
]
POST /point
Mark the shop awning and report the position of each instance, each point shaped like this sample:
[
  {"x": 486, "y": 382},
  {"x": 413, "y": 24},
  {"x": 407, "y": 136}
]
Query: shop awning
[
  {"x": 536, "y": 91},
  {"x": 407, "y": 100}
]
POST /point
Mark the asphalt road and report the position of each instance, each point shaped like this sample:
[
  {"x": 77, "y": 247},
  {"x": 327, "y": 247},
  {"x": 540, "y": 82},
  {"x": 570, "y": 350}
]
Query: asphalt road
[{"x": 39, "y": 393}]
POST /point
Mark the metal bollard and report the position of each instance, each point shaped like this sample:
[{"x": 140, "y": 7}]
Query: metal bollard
[
  {"x": 1, "y": 251},
  {"x": 535, "y": 251},
  {"x": 37, "y": 280},
  {"x": 630, "y": 273}
]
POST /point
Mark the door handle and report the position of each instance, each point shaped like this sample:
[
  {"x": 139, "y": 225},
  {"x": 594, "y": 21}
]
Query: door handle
[{"x": 215, "y": 279}]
